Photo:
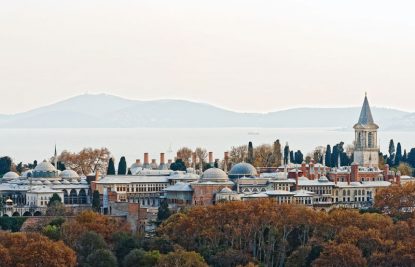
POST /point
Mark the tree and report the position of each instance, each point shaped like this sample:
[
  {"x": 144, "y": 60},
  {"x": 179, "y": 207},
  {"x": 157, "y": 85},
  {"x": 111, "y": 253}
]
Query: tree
[
  {"x": 299, "y": 157},
  {"x": 396, "y": 200},
  {"x": 398, "y": 157},
  {"x": 19, "y": 167},
  {"x": 328, "y": 156},
  {"x": 405, "y": 169},
  {"x": 178, "y": 165},
  {"x": 405, "y": 156},
  {"x": 5, "y": 165},
  {"x": 96, "y": 201},
  {"x": 163, "y": 211},
  {"x": 238, "y": 154},
  {"x": 263, "y": 156},
  {"x": 87, "y": 161},
  {"x": 276, "y": 151},
  {"x": 139, "y": 257},
  {"x": 101, "y": 257},
  {"x": 32, "y": 249},
  {"x": 185, "y": 154},
  {"x": 286, "y": 153},
  {"x": 181, "y": 259},
  {"x": 343, "y": 255},
  {"x": 411, "y": 157},
  {"x": 391, "y": 152},
  {"x": 55, "y": 206},
  {"x": 122, "y": 166},
  {"x": 87, "y": 243},
  {"x": 124, "y": 243},
  {"x": 201, "y": 155},
  {"x": 111, "y": 167},
  {"x": 250, "y": 157}
]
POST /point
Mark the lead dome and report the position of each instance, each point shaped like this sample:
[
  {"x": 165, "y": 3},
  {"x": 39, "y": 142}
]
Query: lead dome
[
  {"x": 243, "y": 169},
  {"x": 214, "y": 174},
  {"x": 69, "y": 174}
]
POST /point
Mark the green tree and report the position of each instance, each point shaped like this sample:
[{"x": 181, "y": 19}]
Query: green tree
[
  {"x": 19, "y": 167},
  {"x": 122, "y": 166},
  {"x": 299, "y": 157},
  {"x": 5, "y": 165},
  {"x": 163, "y": 211},
  {"x": 411, "y": 157},
  {"x": 111, "y": 167},
  {"x": 182, "y": 259},
  {"x": 101, "y": 258},
  {"x": 87, "y": 243},
  {"x": 123, "y": 243},
  {"x": 250, "y": 159},
  {"x": 398, "y": 156},
  {"x": 138, "y": 257},
  {"x": 55, "y": 206},
  {"x": 328, "y": 156},
  {"x": 96, "y": 201},
  {"x": 391, "y": 152},
  {"x": 178, "y": 165},
  {"x": 286, "y": 153},
  {"x": 276, "y": 152}
]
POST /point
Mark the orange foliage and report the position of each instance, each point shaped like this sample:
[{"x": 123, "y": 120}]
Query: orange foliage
[{"x": 30, "y": 249}]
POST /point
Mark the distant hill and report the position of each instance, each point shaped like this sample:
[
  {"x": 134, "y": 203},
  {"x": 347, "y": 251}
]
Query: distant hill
[{"x": 107, "y": 111}]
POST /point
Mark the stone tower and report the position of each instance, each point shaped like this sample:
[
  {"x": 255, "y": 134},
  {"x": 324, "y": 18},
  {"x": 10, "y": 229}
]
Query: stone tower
[{"x": 366, "y": 151}]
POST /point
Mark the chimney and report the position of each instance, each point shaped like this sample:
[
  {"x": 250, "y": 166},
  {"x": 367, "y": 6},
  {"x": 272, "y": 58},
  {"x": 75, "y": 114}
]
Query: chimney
[
  {"x": 398, "y": 178},
  {"x": 146, "y": 161},
  {"x": 386, "y": 173},
  {"x": 225, "y": 161},
  {"x": 170, "y": 161},
  {"x": 194, "y": 160},
  {"x": 354, "y": 174},
  {"x": 304, "y": 169},
  {"x": 162, "y": 158},
  {"x": 96, "y": 175},
  {"x": 296, "y": 180},
  {"x": 211, "y": 158},
  {"x": 312, "y": 170},
  {"x": 137, "y": 161},
  {"x": 178, "y": 156}
]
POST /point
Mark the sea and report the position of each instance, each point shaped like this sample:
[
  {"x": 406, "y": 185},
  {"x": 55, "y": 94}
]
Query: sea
[{"x": 27, "y": 145}]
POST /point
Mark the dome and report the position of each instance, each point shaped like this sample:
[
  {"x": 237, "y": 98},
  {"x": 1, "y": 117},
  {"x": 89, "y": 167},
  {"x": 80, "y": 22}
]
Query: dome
[
  {"x": 65, "y": 182},
  {"x": 47, "y": 182},
  {"x": 69, "y": 174},
  {"x": 56, "y": 182},
  {"x": 323, "y": 179},
  {"x": 10, "y": 175},
  {"x": 226, "y": 190},
  {"x": 84, "y": 181},
  {"x": 243, "y": 169},
  {"x": 214, "y": 174},
  {"x": 74, "y": 181},
  {"x": 27, "y": 173},
  {"x": 45, "y": 167},
  {"x": 37, "y": 183}
]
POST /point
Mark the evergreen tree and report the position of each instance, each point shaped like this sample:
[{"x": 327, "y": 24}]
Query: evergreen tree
[
  {"x": 19, "y": 167},
  {"x": 216, "y": 164},
  {"x": 111, "y": 167},
  {"x": 5, "y": 165},
  {"x": 411, "y": 157},
  {"x": 55, "y": 198},
  {"x": 61, "y": 166},
  {"x": 34, "y": 164},
  {"x": 405, "y": 156},
  {"x": 250, "y": 159},
  {"x": 286, "y": 153},
  {"x": 129, "y": 172},
  {"x": 328, "y": 156},
  {"x": 96, "y": 201},
  {"x": 292, "y": 156},
  {"x": 391, "y": 152},
  {"x": 122, "y": 166},
  {"x": 398, "y": 156},
  {"x": 178, "y": 165},
  {"x": 163, "y": 211},
  {"x": 299, "y": 157}
]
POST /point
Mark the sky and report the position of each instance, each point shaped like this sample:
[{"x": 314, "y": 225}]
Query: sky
[{"x": 243, "y": 55}]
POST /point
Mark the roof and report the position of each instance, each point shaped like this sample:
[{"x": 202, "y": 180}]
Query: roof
[
  {"x": 45, "y": 166},
  {"x": 242, "y": 169},
  {"x": 128, "y": 179},
  {"x": 184, "y": 187},
  {"x": 364, "y": 184},
  {"x": 279, "y": 193},
  {"x": 366, "y": 118}
]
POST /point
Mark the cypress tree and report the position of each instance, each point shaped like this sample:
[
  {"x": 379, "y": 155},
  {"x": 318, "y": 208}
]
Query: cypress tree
[
  {"x": 111, "y": 167},
  {"x": 286, "y": 153},
  {"x": 96, "y": 201},
  {"x": 277, "y": 153},
  {"x": 391, "y": 152},
  {"x": 299, "y": 157},
  {"x": 292, "y": 156},
  {"x": 5, "y": 165},
  {"x": 250, "y": 158},
  {"x": 405, "y": 156},
  {"x": 122, "y": 166},
  {"x": 328, "y": 156},
  {"x": 398, "y": 157}
]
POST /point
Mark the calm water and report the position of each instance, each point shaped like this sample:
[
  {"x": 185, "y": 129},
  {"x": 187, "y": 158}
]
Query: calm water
[{"x": 29, "y": 144}]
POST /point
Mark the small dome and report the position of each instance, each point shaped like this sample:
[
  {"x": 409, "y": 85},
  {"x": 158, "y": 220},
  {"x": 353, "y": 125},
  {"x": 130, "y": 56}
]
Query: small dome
[
  {"x": 214, "y": 174},
  {"x": 65, "y": 182},
  {"x": 323, "y": 179},
  {"x": 47, "y": 182},
  {"x": 243, "y": 169},
  {"x": 37, "y": 183},
  {"x": 69, "y": 174},
  {"x": 84, "y": 181},
  {"x": 226, "y": 190},
  {"x": 45, "y": 166},
  {"x": 9, "y": 201},
  {"x": 74, "y": 181},
  {"x": 303, "y": 178},
  {"x": 56, "y": 182},
  {"x": 10, "y": 175}
]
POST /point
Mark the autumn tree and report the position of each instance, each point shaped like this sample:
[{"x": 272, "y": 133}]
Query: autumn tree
[
  {"x": 396, "y": 200},
  {"x": 201, "y": 155},
  {"x": 87, "y": 161},
  {"x": 181, "y": 259},
  {"x": 185, "y": 154},
  {"x": 276, "y": 152},
  {"x": 342, "y": 255},
  {"x": 263, "y": 156},
  {"x": 238, "y": 154},
  {"x": 405, "y": 169},
  {"x": 31, "y": 249}
]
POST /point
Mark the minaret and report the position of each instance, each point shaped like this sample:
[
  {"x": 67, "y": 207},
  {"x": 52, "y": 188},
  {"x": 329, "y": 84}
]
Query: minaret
[
  {"x": 366, "y": 152},
  {"x": 55, "y": 159}
]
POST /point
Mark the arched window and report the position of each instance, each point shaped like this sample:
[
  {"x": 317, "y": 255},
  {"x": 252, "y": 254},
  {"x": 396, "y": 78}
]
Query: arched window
[
  {"x": 73, "y": 197},
  {"x": 82, "y": 197},
  {"x": 65, "y": 197}
]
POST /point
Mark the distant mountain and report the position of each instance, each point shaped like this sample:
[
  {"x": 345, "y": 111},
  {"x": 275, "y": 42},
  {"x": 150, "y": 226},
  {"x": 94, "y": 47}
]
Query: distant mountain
[{"x": 107, "y": 111}]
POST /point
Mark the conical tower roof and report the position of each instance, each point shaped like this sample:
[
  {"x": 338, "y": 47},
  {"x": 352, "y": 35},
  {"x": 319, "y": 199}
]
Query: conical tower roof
[{"x": 366, "y": 118}]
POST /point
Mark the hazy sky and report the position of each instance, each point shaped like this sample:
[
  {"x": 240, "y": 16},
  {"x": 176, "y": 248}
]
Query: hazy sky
[{"x": 242, "y": 55}]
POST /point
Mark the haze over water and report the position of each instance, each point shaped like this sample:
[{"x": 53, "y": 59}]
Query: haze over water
[{"x": 27, "y": 145}]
